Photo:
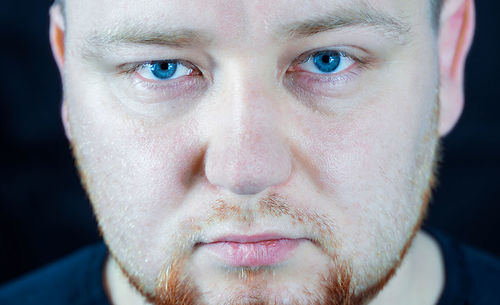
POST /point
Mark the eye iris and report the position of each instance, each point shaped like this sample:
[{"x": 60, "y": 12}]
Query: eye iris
[
  {"x": 327, "y": 61},
  {"x": 163, "y": 70}
]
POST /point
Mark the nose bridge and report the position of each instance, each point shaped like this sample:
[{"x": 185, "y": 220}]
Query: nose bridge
[{"x": 247, "y": 152}]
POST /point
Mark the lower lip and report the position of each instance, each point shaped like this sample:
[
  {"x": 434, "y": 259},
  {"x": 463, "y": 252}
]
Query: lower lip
[{"x": 252, "y": 254}]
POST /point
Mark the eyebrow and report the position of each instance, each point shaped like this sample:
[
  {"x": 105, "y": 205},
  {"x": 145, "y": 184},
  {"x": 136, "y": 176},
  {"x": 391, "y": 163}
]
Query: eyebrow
[
  {"x": 362, "y": 15},
  {"x": 141, "y": 35}
]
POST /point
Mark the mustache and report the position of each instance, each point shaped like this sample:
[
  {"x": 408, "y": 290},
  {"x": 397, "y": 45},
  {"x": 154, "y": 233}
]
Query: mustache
[{"x": 319, "y": 228}]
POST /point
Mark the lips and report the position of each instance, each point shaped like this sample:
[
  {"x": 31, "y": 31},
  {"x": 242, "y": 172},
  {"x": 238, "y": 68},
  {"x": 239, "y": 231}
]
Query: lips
[{"x": 252, "y": 251}]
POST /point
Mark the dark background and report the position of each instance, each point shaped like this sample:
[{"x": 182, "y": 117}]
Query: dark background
[{"x": 44, "y": 213}]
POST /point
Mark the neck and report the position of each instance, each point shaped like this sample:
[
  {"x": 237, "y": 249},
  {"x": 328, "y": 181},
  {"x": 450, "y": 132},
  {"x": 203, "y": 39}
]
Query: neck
[
  {"x": 118, "y": 288},
  {"x": 420, "y": 279}
]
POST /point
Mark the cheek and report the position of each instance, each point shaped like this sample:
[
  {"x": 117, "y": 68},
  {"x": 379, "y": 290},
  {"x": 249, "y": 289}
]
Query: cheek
[
  {"x": 366, "y": 162},
  {"x": 359, "y": 153},
  {"x": 136, "y": 170}
]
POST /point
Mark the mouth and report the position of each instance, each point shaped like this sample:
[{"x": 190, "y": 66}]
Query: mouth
[{"x": 252, "y": 251}]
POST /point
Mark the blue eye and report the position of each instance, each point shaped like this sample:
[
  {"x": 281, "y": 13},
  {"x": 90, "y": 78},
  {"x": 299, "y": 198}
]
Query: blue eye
[
  {"x": 327, "y": 62},
  {"x": 163, "y": 70}
]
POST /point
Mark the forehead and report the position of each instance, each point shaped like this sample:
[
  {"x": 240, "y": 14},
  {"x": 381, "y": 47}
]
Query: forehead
[{"x": 236, "y": 21}]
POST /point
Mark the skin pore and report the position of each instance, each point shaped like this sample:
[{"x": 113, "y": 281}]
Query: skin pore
[{"x": 247, "y": 137}]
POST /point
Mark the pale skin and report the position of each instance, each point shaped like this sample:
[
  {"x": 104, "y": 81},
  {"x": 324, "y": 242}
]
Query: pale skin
[{"x": 247, "y": 118}]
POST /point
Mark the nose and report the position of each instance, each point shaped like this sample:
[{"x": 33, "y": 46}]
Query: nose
[{"x": 248, "y": 152}]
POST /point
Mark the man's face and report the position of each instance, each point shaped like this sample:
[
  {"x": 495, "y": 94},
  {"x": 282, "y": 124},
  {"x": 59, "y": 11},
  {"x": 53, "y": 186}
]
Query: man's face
[{"x": 260, "y": 149}]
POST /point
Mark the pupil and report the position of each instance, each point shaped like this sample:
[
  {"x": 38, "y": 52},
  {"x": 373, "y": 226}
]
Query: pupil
[
  {"x": 164, "y": 66},
  {"x": 326, "y": 59}
]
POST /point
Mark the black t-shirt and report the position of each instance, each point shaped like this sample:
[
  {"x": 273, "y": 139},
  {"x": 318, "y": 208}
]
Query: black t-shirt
[
  {"x": 472, "y": 278},
  {"x": 75, "y": 280}
]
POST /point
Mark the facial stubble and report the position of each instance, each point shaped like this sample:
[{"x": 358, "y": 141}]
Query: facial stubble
[
  {"x": 336, "y": 288},
  {"x": 175, "y": 288}
]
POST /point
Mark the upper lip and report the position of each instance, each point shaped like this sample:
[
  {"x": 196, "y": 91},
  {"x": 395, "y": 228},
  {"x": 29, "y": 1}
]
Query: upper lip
[{"x": 248, "y": 238}]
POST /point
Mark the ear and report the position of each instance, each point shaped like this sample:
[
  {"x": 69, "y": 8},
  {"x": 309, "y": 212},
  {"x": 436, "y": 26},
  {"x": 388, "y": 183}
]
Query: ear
[
  {"x": 57, "y": 28},
  {"x": 455, "y": 38},
  {"x": 57, "y": 35}
]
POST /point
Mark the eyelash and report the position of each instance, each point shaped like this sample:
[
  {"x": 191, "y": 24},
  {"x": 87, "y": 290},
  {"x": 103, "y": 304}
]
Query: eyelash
[{"x": 358, "y": 62}]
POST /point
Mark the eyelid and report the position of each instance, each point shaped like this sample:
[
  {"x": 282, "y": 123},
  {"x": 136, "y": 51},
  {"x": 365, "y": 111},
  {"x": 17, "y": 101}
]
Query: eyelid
[
  {"x": 307, "y": 56},
  {"x": 362, "y": 60},
  {"x": 132, "y": 68}
]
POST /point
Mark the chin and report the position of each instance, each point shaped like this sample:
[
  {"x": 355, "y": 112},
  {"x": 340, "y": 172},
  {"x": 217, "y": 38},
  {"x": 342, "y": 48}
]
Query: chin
[{"x": 265, "y": 285}]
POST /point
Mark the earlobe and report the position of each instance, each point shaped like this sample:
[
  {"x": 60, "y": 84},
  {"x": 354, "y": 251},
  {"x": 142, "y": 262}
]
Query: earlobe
[
  {"x": 57, "y": 28},
  {"x": 455, "y": 38},
  {"x": 65, "y": 120}
]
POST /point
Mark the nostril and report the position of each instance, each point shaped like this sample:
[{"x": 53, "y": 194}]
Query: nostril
[{"x": 248, "y": 189}]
